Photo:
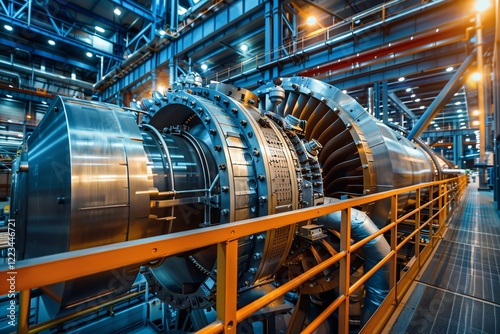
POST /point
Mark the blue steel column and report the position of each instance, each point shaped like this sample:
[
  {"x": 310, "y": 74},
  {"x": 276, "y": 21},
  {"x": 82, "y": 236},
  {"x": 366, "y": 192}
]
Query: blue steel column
[
  {"x": 458, "y": 150},
  {"x": 174, "y": 8},
  {"x": 385, "y": 102},
  {"x": 376, "y": 100},
  {"x": 273, "y": 36}
]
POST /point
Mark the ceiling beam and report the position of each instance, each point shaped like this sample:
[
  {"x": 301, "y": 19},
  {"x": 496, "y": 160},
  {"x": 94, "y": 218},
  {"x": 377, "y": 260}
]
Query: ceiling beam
[
  {"x": 47, "y": 55},
  {"x": 135, "y": 8}
]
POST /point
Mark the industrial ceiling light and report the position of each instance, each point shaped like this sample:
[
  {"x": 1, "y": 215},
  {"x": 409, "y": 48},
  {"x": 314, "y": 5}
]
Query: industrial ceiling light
[
  {"x": 417, "y": 100},
  {"x": 475, "y": 112},
  {"x": 422, "y": 107},
  {"x": 412, "y": 95},
  {"x": 244, "y": 47},
  {"x": 475, "y": 123},
  {"x": 458, "y": 103},
  {"x": 408, "y": 90},
  {"x": 43, "y": 102},
  {"x": 476, "y": 76},
  {"x": 89, "y": 54},
  {"x": 117, "y": 11},
  {"x": 401, "y": 79},
  {"x": 9, "y": 96},
  {"x": 344, "y": 91},
  {"x": 459, "y": 111},
  {"x": 99, "y": 29},
  {"x": 51, "y": 42},
  {"x": 204, "y": 67},
  {"x": 8, "y": 27},
  {"x": 449, "y": 69},
  {"x": 311, "y": 20},
  {"x": 482, "y": 5},
  {"x": 162, "y": 32}
]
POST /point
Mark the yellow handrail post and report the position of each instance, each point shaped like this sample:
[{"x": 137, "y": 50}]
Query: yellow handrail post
[
  {"x": 394, "y": 245},
  {"x": 345, "y": 267},
  {"x": 417, "y": 224},
  {"x": 24, "y": 312},
  {"x": 227, "y": 278}
]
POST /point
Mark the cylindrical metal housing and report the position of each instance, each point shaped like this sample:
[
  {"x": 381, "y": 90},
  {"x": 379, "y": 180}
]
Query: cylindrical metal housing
[{"x": 360, "y": 154}]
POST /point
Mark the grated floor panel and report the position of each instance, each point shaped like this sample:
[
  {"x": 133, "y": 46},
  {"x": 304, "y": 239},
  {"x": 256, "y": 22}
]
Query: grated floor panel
[{"x": 459, "y": 291}]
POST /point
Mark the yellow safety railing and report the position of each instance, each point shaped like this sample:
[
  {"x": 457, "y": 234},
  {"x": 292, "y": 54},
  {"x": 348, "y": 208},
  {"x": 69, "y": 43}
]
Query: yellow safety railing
[{"x": 51, "y": 269}]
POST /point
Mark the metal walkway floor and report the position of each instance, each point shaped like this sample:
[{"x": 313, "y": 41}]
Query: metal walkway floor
[{"x": 459, "y": 289}]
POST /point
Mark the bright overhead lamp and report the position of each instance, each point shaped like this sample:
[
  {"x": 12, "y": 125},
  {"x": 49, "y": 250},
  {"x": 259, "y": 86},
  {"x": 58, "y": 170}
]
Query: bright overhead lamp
[
  {"x": 408, "y": 90},
  {"x": 162, "y": 32},
  {"x": 51, "y": 42},
  {"x": 401, "y": 79},
  {"x": 344, "y": 91},
  {"x": 476, "y": 76},
  {"x": 458, "y": 103},
  {"x": 99, "y": 29},
  {"x": 117, "y": 11},
  {"x": 438, "y": 128},
  {"x": 244, "y": 47},
  {"x": 417, "y": 100},
  {"x": 482, "y": 5},
  {"x": 459, "y": 111},
  {"x": 311, "y": 20},
  {"x": 89, "y": 54},
  {"x": 449, "y": 69},
  {"x": 43, "y": 102},
  {"x": 204, "y": 67},
  {"x": 10, "y": 86},
  {"x": 475, "y": 123},
  {"x": 9, "y": 96},
  {"x": 413, "y": 95},
  {"x": 422, "y": 107},
  {"x": 475, "y": 112},
  {"x": 8, "y": 27},
  {"x": 460, "y": 115}
]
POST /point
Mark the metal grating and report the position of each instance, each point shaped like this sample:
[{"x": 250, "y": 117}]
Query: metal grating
[{"x": 459, "y": 291}]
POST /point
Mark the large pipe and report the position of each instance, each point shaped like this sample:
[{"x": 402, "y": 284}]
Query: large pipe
[
  {"x": 132, "y": 59},
  {"x": 46, "y": 75},
  {"x": 444, "y": 96},
  {"x": 374, "y": 251}
]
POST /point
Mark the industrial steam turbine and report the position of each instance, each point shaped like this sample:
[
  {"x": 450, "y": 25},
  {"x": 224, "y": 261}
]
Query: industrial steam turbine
[{"x": 89, "y": 175}]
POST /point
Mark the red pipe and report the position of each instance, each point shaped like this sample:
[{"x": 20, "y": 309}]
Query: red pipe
[{"x": 391, "y": 48}]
